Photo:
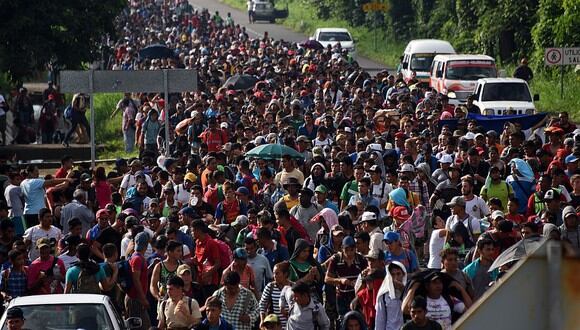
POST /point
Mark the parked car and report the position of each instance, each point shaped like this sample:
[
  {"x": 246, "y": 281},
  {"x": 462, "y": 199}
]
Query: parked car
[
  {"x": 418, "y": 57},
  {"x": 504, "y": 96},
  {"x": 334, "y": 36},
  {"x": 264, "y": 11},
  {"x": 459, "y": 74},
  {"x": 70, "y": 311}
]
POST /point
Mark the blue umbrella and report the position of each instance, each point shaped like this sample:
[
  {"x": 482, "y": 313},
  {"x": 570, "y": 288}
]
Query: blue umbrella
[{"x": 156, "y": 51}]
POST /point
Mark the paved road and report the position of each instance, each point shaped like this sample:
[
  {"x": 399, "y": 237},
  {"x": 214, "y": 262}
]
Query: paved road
[{"x": 274, "y": 30}]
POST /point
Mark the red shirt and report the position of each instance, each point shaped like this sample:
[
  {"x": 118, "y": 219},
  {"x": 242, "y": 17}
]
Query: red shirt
[
  {"x": 60, "y": 173},
  {"x": 207, "y": 253},
  {"x": 214, "y": 140},
  {"x": 34, "y": 272},
  {"x": 138, "y": 263},
  {"x": 368, "y": 298}
]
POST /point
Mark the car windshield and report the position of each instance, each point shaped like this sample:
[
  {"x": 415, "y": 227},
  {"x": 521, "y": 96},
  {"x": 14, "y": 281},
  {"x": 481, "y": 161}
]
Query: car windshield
[
  {"x": 421, "y": 62},
  {"x": 334, "y": 36},
  {"x": 65, "y": 317},
  {"x": 506, "y": 92},
  {"x": 470, "y": 70}
]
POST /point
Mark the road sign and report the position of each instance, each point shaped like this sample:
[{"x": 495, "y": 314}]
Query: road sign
[
  {"x": 101, "y": 81},
  {"x": 375, "y": 6},
  {"x": 553, "y": 56},
  {"x": 562, "y": 56}
]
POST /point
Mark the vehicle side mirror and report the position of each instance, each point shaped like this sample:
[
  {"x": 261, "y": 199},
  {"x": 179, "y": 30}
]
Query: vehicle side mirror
[
  {"x": 451, "y": 95},
  {"x": 536, "y": 97},
  {"x": 133, "y": 323}
]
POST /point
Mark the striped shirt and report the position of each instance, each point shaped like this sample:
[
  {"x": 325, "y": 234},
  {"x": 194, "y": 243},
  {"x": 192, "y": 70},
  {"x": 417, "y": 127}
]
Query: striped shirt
[
  {"x": 270, "y": 302},
  {"x": 245, "y": 304}
]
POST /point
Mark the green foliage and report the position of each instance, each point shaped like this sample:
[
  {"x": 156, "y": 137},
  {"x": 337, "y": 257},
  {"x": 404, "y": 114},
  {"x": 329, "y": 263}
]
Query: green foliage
[
  {"x": 108, "y": 131},
  {"x": 35, "y": 33}
]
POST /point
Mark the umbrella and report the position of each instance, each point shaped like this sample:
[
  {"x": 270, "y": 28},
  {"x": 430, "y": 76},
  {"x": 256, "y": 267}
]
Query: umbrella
[
  {"x": 241, "y": 82},
  {"x": 156, "y": 51},
  {"x": 273, "y": 151},
  {"x": 517, "y": 251},
  {"x": 311, "y": 44}
]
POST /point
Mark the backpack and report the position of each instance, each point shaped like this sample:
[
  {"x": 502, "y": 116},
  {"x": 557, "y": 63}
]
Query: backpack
[
  {"x": 68, "y": 112},
  {"x": 164, "y": 303},
  {"x": 226, "y": 255},
  {"x": 124, "y": 277},
  {"x": 87, "y": 283}
]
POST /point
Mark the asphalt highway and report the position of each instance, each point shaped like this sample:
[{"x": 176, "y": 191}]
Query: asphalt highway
[{"x": 275, "y": 31}]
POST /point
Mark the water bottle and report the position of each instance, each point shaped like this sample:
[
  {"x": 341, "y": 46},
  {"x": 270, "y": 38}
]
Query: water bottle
[{"x": 56, "y": 280}]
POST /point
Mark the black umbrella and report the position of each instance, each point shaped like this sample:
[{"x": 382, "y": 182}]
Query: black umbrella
[
  {"x": 311, "y": 44},
  {"x": 156, "y": 51},
  {"x": 241, "y": 82}
]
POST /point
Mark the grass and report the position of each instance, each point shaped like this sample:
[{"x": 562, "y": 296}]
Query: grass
[{"x": 108, "y": 131}]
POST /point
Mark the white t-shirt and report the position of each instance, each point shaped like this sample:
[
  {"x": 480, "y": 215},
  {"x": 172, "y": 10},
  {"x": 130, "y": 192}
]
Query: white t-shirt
[
  {"x": 475, "y": 225},
  {"x": 476, "y": 207},
  {"x": 129, "y": 181},
  {"x": 33, "y": 234},
  {"x": 182, "y": 195},
  {"x": 436, "y": 244},
  {"x": 377, "y": 191},
  {"x": 68, "y": 260},
  {"x": 439, "y": 310}
]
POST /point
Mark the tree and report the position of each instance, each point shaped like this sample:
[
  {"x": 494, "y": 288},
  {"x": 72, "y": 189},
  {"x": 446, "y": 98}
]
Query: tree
[{"x": 68, "y": 32}]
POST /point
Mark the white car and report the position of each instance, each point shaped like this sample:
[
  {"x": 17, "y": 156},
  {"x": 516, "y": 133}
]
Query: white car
[
  {"x": 504, "y": 96},
  {"x": 70, "y": 311},
  {"x": 334, "y": 36}
]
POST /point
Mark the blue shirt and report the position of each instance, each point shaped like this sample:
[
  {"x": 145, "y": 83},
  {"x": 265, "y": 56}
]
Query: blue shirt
[
  {"x": 33, "y": 191},
  {"x": 407, "y": 258},
  {"x": 277, "y": 255},
  {"x": 72, "y": 275}
]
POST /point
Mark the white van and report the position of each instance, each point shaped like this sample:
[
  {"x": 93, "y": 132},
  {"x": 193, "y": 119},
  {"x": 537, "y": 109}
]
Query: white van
[
  {"x": 419, "y": 55},
  {"x": 504, "y": 96},
  {"x": 459, "y": 74}
]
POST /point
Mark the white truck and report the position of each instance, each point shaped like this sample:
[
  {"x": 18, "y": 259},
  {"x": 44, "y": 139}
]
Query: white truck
[
  {"x": 504, "y": 96},
  {"x": 333, "y": 36}
]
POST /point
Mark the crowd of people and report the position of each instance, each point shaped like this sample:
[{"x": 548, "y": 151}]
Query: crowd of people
[{"x": 387, "y": 218}]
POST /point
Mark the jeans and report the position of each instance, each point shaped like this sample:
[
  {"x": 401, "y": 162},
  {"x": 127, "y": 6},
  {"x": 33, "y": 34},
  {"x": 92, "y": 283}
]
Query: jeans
[
  {"x": 129, "y": 139},
  {"x": 135, "y": 309},
  {"x": 77, "y": 118}
]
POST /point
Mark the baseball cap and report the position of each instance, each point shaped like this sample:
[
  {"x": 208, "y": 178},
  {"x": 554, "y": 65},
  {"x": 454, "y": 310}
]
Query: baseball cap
[
  {"x": 224, "y": 125},
  {"x": 433, "y": 276},
  {"x": 72, "y": 239},
  {"x": 497, "y": 214},
  {"x": 337, "y": 229},
  {"x": 303, "y": 138},
  {"x": 469, "y": 136},
  {"x": 131, "y": 221},
  {"x": 141, "y": 241},
  {"x": 375, "y": 168},
  {"x": 190, "y": 177},
  {"x": 154, "y": 201},
  {"x": 457, "y": 201},
  {"x": 571, "y": 158},
  {"x": 446, "y": 159},
  {"x": 241, "y": 220},
  {"x": 551, "y": 195},
  {"x": 111, "y": 207},
  {"x": 240, "y": 253},
  {"x": 272, "y": 318},
  {"x": 102, "y": 212},
  {"x": 376, "y": 254},
  {"x": 391, "y": 236},
  {"x": 189, "y": 211},
  {"x": 400, "y": 212},
  {"x": 14, "y": 313},
  {"x": 348, "y": 241},
  {"x": 368, "y": 216},
  {"x": 135, "y": 162},
  {"x": 568, "y": 211},
  {"x": 243, "y": 191},
  {"x": 182, "y": 269},
  {"x": 321, "y": 189},
  {"x": 42, "y": 242},
  {"x": 407, "y": 168},
  {"x": 86, "y": 177}
]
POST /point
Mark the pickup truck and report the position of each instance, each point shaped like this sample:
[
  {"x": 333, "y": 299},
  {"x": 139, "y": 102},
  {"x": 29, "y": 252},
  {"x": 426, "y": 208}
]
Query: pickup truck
[{"x": 504, "y": 96}]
